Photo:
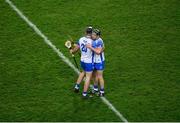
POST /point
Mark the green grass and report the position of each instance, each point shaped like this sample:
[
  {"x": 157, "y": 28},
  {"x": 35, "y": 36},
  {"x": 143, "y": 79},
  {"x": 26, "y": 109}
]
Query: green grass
[{"x": 142, "y": 60}]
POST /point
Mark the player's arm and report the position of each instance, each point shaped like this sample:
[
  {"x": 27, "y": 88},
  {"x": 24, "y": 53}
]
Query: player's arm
[
  {"x": 74, "y": 49},
  {"x": 97, "y": 50},
  {"x": 72, "y": 46}
]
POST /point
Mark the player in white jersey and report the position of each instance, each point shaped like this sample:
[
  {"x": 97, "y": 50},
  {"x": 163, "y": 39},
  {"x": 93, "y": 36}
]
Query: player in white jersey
[
  {"x": 99, "y": 60},
  {"x": 86, "y": 60}
]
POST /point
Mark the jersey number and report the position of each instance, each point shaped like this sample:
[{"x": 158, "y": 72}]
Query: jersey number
[{"x": 83, "y": 48}]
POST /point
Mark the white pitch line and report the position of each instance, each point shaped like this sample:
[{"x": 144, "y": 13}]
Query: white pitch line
[
  {"x": 46, "y": 40},
  {"x": 114, "y": 109},
  {"x": 60, "y": 54}
]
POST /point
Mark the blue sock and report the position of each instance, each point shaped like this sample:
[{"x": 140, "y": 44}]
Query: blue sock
[
  {"x": 84, "y": 94},
  {"x": 102, "y": 90},
  {"x": 95, "y": 87}
]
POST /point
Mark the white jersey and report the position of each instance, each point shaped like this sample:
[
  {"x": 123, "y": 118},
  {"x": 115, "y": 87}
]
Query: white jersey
[
  {"x": 98, "y": 58},
  {"x": 86, "y": 53}
]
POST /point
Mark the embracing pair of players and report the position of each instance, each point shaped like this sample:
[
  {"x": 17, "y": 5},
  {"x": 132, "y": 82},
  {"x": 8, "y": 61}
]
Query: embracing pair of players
[{"x": 92, "y": 61}]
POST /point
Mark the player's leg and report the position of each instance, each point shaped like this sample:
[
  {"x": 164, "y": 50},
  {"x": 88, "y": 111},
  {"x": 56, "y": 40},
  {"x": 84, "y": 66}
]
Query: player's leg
[
  {"x": 88, "y": 68},
  {"x": 78, "y": 82},
  {"x": 95, "y": 79},
  {"x": 80, "y": 78},
  {"x": 94, "y": 89},
  {"x": 99, "y": 75},
  {"x": 87, "y": 83},
  {"x": 101, "y": 81}
]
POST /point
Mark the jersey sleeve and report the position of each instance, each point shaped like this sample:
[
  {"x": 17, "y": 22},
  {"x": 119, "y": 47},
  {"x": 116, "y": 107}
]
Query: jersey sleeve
[
  {"x": 93, "y": 44},
  {"x": 100, "y": 43}
]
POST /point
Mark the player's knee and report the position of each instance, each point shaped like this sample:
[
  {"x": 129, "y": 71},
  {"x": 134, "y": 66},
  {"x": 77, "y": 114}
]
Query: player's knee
[{"x": 99, "y": 76}]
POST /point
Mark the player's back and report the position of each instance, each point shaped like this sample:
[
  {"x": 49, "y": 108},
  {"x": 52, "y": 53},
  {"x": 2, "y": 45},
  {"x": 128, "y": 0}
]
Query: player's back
[{"x": 86, "y": 53}]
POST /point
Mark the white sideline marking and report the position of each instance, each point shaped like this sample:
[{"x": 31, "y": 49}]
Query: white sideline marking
[
  {"x": 46, "y": 40},
  {"x": 60, "y": 54},
  {"x": 114, "y": 109}
]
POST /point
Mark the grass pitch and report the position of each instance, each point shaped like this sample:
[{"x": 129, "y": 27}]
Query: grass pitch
[{"x": 142, "y": 60}]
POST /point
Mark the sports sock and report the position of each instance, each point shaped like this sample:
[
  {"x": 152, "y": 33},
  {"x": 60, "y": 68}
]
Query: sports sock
[
  {"x": 84, "y": 94},
  {"x": 77, "y": 86},
  {"x": 102, "y": 90},
  {"x": 95, "y": 88}
]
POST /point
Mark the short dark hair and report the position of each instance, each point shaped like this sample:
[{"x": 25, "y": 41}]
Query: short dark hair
[
  {"x": 97, "y": 31},
  {"x": 89, "y": 30}
]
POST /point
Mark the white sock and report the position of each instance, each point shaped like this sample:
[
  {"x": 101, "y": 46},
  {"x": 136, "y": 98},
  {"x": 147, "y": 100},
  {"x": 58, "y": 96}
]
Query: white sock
[{"x": 84, "y": 94}]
